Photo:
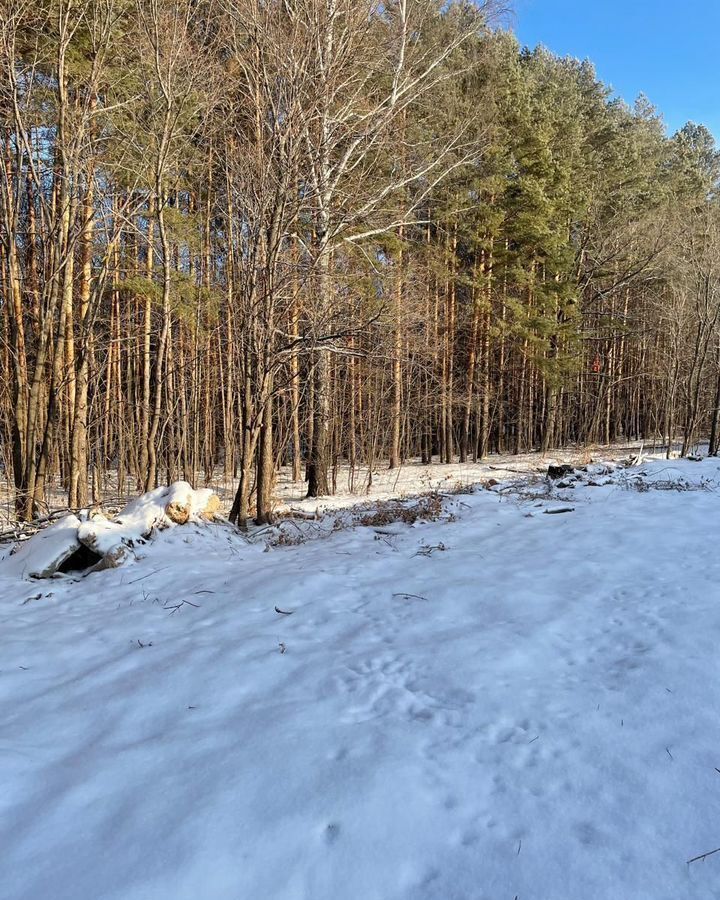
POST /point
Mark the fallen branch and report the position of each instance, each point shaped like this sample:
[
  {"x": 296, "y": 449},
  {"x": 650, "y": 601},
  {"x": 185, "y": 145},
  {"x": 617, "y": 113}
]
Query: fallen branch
[
  {"x": 703, "y": 856},
  {"x": 149, "y": 574},
  {"x": 175, "y": 607},
  {"x": 557, "y": 512},
  {"x": 427, "y": 551}
]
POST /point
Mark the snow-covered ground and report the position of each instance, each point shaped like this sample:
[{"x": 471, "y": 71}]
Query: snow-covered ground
[
  {"x": 357, "y": 485},
  {"x": 500, "y": 704}
]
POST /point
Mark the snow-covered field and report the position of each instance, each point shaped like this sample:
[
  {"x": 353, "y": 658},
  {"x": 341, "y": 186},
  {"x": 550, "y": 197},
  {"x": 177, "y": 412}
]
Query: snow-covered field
[{"x": 500, "y": 704}]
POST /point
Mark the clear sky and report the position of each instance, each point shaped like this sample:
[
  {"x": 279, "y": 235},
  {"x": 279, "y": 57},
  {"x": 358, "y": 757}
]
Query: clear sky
[{"x": 666, "y": 49}]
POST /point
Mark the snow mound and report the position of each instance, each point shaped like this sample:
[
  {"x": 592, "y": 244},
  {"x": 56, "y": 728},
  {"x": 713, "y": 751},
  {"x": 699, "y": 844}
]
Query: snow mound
[
  {"x": 45, "y": 553},
  {"x": 94, "y": 542}
]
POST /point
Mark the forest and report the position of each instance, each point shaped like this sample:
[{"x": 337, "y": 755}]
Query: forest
[
  {"x": 240, "y": 235},
  {"x": 359, "y": 450}
]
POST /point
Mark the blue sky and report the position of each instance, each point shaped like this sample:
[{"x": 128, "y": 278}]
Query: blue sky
[{"x": 666, "y": 49}]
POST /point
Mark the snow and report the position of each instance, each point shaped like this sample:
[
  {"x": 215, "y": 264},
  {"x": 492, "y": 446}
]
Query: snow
[
  {"x": 160, "y": 508},
  {"x": 46, "y": 551},
  {"x": 500, "y": 704},
  {"x": 359, "y": 484},
  {"x": 43, "y": 554}
]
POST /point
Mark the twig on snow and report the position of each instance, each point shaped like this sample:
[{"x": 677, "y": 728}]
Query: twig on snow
[
  {"x": 427, "y": 550},
  {"x": 175, "y": 607},
  {"x": 703, "y": 856},
  {"x": 143, "y": 577}
]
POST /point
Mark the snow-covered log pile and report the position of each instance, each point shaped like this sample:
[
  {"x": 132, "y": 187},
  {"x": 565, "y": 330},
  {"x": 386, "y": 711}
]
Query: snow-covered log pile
[
  {"x": 593, "y": 474},
  {"x": 90, "y": 541}
]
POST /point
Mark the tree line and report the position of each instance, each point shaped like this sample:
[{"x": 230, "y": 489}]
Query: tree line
[{"x": 241, "y": 234}]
